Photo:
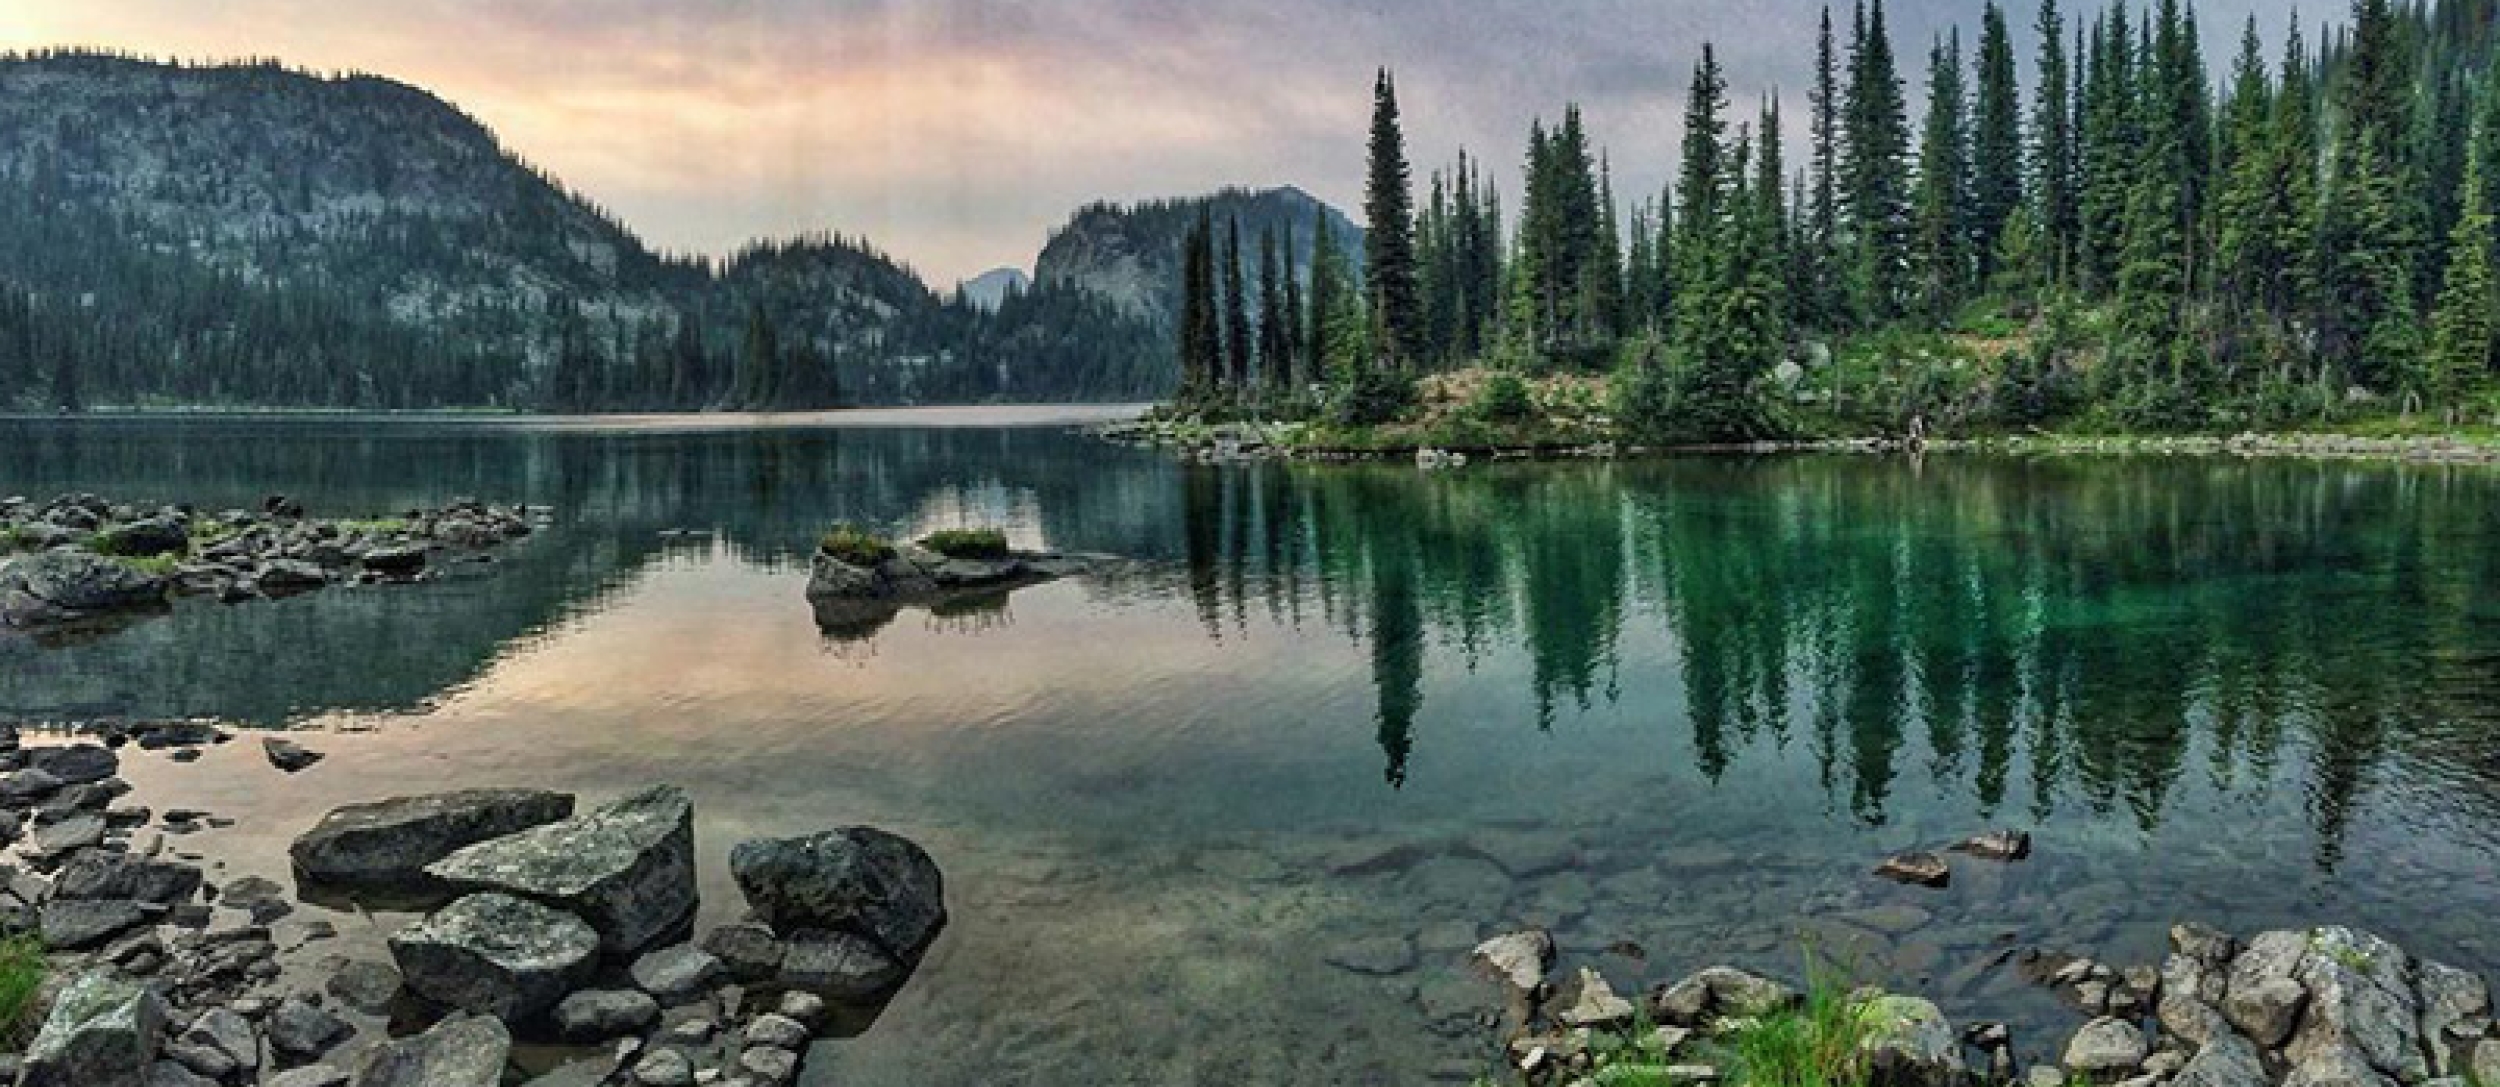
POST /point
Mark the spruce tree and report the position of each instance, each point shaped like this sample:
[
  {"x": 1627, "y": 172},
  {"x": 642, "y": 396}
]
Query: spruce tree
[
  {"x": 1877, "y": 153},
  {"x": 1273, "y": 337},
  {"x": 1822, "y": 240},
  {"x": 1943, "y": 187},
  {"x": 2464, "y": 325},
  {"x": 1996, "y": 141},
  {"x": 1704, "y": 186},
  {"x": 2052, "y": 148},
  {"x": 2367, "y": 319},
  {"x": 1389, "y": 273},
  {"x": 1238, "y": 335}
]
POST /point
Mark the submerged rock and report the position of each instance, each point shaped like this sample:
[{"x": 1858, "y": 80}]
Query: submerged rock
[
  {"x": 386, "y": 845},
  {"x": 461, "y": 1051},
  {"x": 496, "y": 955},
  {"x": 103, "y": 1030},
  {"x": 859, "y": 880},
  {"x": 1920, "y": 868},
  {"x": 626, "y": 868}
]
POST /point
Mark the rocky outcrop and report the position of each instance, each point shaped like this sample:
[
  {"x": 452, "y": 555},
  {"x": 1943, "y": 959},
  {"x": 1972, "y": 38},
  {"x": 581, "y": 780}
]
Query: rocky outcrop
[
  {"x": 496, "y": 955},
  {"x": 863, "y": 881},
  {"x": 387, "y": 844},
  {"x": 68, "y": 585},
  {"x": 103, "y": 1030},
  {"x": 627, "y": 868}
]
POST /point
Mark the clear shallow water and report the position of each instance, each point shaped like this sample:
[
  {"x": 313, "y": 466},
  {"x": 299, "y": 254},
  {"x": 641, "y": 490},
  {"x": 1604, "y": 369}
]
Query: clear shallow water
[{"x": 1683, "y": 703}]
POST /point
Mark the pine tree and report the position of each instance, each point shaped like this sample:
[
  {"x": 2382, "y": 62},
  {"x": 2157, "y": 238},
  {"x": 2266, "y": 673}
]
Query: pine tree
[
  {"x": 1943, "y": 193},
  {"x": 1327, "y": 283},
  {"x": 1202, "y": 336},
  {"x": 2367, "y": 322},
  {"x": 759, "y": 363},
  {"x": 1287, "y": 367},
  {"x": 1996, "y": 142},
  {"x": 2053, "y": 149},
  {"x": 1273, "y": 366},
  {"x": 1825, "y": 301},
  {"x": 2246, "y": 235},
  {"x": 1877, "y": 153},
  {"x": 1704, "y": 185},
  {"x": 1238, "y": 336},
  {"x": 1389, "y": 273},
  {"x": 2464, "y": 326}
]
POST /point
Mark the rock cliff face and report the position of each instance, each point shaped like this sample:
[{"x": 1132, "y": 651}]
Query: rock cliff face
[{"x": 1132, "y": 254}]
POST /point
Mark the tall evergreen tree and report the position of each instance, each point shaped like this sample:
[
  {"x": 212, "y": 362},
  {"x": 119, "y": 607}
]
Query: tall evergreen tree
[
  {"x": 2368, "y": 320},
  {"x": 1825, "y": 300},
  {"x": 1877, "y": 153},
  {"x": 2463, "y": 328},
  {"x": 1238, "y": 336},
  {"x": 2053, "y": 148},
  {"x": 1944, "y": 202},
  {"x": 1389, "y": 272},
  {"x": 1274, "y": 367},
  {"x": 1996, "y": 141}
]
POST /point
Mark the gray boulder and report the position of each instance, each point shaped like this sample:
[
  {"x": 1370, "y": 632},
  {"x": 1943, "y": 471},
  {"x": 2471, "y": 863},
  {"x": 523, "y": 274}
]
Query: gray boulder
[
  {"x": 299, "y": 1028},
  {"x": 859, "y": 880},
  {"x": 2361, "y": 998},
  {"x": 75, "y": 924},
  {"x": 2225, "y": 1060},
  {"x": 102, "y": 874},
  {"x": 679, "y": 973},
  {"x": 626, "y": 868},
  {"x": 600, "y": 1014},
  {"x": 102, "y": 1030},
  {"x": 158, "y": 535},
  {"x": 2449, "y": 996},
  {"x": 386, "y": 845},
  {"x": 496, "y": 955},
  {"x": 2106, "y": 1049},
  {"x": 65, "y": 586},
  {"x": 461, "y": 1051},
  {"x": 75, "y": 764}
]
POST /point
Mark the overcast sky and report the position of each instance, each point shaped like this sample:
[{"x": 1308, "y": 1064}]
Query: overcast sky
[{"x": 956, "y": 133}]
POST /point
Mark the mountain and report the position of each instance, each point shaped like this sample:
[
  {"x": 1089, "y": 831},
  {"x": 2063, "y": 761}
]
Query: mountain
[
  {"x": 987, "y": 290},
  {"x": 1131, "y": 254},
  {"x": 250, "y": 234}
]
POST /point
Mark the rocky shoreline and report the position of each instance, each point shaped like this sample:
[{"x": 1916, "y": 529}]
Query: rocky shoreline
[
  {"x": 82, "y": 559},
  {"x": 539, "y": 926},
  {"x": 1225, "y": 443}
]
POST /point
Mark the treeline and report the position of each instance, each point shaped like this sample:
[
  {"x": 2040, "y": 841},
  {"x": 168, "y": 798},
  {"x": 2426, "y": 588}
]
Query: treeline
[{"x": 2126, "y": 241}]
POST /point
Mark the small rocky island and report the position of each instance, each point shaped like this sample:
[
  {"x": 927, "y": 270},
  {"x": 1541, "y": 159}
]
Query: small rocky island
[
  {"x": 858, "y": 581},
  {"x": 80, "y": 558},
  {"x": 535, "y": 926}
]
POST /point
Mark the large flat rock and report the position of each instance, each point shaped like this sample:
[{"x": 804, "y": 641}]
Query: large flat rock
[
  {"x": 496, "y": 955},
  {"x": 103, "y": 1030},
  {"x": 461, "y": 1051},
  {"x": 626, "y": 868},
  {"x": 385, "y": 845}
]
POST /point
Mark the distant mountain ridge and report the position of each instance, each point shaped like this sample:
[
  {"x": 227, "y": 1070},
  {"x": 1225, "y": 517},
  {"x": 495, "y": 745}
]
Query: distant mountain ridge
[
  {"x": 992, "y": 287},
  {"x": 1131, "y": 254},
  {"x": 254, "y": 234}
]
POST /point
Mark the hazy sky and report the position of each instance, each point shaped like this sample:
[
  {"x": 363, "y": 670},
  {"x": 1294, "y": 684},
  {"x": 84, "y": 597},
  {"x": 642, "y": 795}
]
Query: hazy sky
[{"x": 956, "y": 133}]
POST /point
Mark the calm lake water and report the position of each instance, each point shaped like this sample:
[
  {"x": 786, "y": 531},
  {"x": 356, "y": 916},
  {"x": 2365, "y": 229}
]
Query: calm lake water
[{"x": 1233, "y": 816}]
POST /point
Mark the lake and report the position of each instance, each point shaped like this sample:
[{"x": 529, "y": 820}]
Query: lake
[{"x": 1232, "y": 814}]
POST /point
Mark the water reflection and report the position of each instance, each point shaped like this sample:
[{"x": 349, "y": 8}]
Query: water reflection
[
  {"x": 2020, "y": 638},
  {"x": 2081, "y": 625}
]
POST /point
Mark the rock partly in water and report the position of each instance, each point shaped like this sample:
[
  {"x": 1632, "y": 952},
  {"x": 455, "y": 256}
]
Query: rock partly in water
[
  {"x": 69, "y": 585},
  {"x": 839, "y": 966},
  {"x": 859, "y": 880},
  {"x": 497, "y": 955},
  {"x": 289, "y": 756},
  {"x": 1918, "y": 868},
  {"x": 1518, "y": 960},
  {"x": 600, "y": 1014},
  {"x": 1909, "y": 1042},
  {"x": 626, "y": 868},
  {"x": 386, "y": 845},
  {"x": 1997, "y": 845}
]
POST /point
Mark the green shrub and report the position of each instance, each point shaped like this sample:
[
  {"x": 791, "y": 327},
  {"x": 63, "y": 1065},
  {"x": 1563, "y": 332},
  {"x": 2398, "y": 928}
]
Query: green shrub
[
  {"x": 1374, "y": 396},
  {"x": 1503, "y": 399},
  {"x": 21, "y": 974},
  {"x": 855, "y": 545},
  {"x": 967, "y": 543}
]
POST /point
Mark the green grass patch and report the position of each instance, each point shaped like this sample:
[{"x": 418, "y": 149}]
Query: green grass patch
[
  {"x": 855, "y": 545},
  {"x": 1818, "y": 1043},
  {"x": 13, "y": 538},
  {"x": 22, "y": 969},
  {"x": 967, "y": 543},
  {"x": 379, "y": 526}
]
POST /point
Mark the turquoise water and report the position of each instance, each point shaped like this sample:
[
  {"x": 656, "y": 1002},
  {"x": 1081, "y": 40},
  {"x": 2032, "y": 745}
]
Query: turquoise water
[{"x": 1231, "y": 815}]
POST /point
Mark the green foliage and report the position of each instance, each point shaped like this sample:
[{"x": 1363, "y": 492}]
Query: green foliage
[
  {"x": 1502, "y": 399},
  {"x": 22, "y": 970},
  {"x": 1372, "y": 396},
  {"x": 1816, "y": 1044},
  {"x": 967, "y": 543},
  {"x": 855, "y": 545}
]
